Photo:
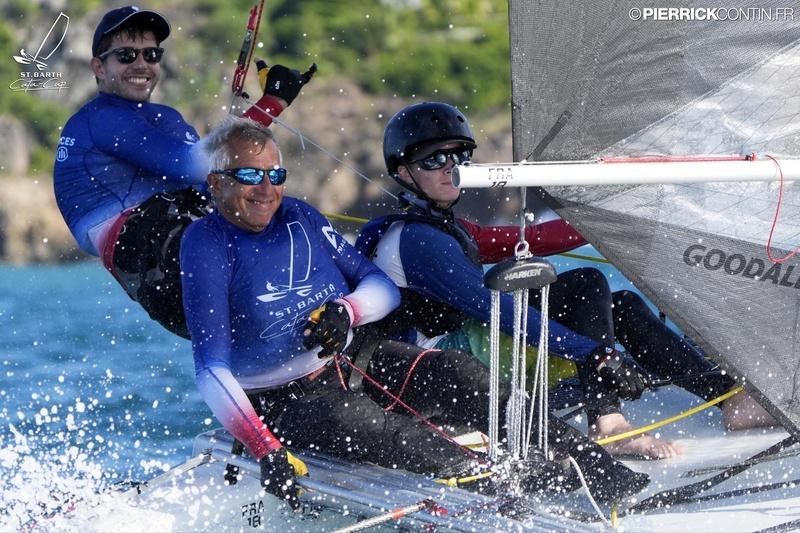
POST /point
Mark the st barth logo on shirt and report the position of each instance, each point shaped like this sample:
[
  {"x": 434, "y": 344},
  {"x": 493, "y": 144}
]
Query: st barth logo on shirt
[
  {"x": 305, "y": 296},
  {"x": 299, "y": 267}
]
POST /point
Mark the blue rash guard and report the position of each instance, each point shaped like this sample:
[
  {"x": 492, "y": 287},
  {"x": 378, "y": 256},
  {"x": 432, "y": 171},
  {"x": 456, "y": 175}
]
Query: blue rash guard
[
  {"x": 248, "y": 297},
  {"x": 421, "y": 257},
  {"x": 114, "y": 154}
]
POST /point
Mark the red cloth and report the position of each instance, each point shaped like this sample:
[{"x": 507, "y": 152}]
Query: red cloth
[
  {"x": 496, "y": 243},
  {"x": 107, "y": 253},
  {"x": 267, "y": 103}
]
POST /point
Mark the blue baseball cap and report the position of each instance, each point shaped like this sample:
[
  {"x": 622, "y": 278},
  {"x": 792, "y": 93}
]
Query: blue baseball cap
[{"x": 151, "y": 20}]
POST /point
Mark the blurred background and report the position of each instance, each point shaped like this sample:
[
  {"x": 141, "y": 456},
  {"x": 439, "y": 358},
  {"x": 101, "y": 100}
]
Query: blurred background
[{"x": 375, "y": 57}]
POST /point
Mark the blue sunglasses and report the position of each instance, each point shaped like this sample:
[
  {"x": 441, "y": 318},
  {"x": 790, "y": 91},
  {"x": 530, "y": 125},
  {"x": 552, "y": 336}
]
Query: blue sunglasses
[{"x": 254, "y": 176}]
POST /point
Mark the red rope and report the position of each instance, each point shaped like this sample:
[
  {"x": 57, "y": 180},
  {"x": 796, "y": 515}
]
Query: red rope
[
  {"x": 408, "y": 377},
  {"x": 674, "y": 159},
  {"x": 397, "y": 400},
  {"x": 775, "y": 220},
  {"x": 339, "y": 371}
]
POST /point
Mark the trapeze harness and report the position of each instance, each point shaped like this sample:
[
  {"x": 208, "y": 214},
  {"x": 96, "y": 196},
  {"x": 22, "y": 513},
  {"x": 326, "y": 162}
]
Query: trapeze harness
[{"x": 142, "y": 251}]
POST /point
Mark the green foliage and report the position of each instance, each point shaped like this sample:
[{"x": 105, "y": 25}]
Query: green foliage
[
  {"x": 451, "y": 50},
  {"x": 447, "y": 49},
  {"x": 43, "y": 118}
]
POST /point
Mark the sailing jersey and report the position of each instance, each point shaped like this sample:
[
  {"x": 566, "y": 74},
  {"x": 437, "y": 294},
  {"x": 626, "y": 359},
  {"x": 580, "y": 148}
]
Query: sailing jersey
[
  {"x": 115, "y": 153},
  {"x": 248, "y": 297},
  {"x": 421, "y": 257}
]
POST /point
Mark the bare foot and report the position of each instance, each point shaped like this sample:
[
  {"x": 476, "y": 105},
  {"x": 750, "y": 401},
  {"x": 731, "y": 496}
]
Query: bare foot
[
  {"x": 641, "y": 445},
  {"x": 741, "y": 411}
]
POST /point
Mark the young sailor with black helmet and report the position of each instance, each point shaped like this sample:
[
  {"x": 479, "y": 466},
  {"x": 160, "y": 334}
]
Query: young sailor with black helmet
[{"x": 436, "y": 259}]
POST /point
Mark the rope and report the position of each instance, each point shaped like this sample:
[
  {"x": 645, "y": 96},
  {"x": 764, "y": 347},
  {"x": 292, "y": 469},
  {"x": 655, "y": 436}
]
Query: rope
[
  {"x": 408, "y": 377},
  {"x": 670, "y": 420},
  {"x": 454, "y": 482},
  {"x": 416, "y": 414},
  {"x": 302, "y": 138},
  {"x": 346, "y": 218},
  {"x": 395, "y": 514},
  {"x": 775, "y": 219},
  {"x": 541, "y": 381},
  {"x": 516, "y": 403},
  {"x": 494, "y": 376},
  {"x": 585, "y": 257},
  {"x": 588, "y": 492}
]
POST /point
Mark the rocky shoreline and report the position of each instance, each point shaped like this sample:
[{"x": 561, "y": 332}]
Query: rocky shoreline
[
  {"x": 336, "y": 115},
  {"x": 31, "y": 227}
]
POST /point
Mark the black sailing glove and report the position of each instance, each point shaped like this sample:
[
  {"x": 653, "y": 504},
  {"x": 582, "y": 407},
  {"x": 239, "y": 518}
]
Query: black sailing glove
[
  {"x": 282, "y": 82},
  {"x": 278, "y": 477},
  {"x": 328, "y": 327},
  {"x": 619, "y": 373}
]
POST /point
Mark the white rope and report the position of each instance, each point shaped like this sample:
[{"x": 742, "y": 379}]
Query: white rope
[
  {"x": 540, "y": 384},
  {"x": 522, "y": 356},
  {"x": 516, "y": 403},
  {"x": 494, "y": 377},
  {"x": 541, "y": 362},
  {"x": 589, "y": 493}
]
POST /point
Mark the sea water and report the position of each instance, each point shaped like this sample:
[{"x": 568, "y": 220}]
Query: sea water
[{"x": 92, "y": 391}]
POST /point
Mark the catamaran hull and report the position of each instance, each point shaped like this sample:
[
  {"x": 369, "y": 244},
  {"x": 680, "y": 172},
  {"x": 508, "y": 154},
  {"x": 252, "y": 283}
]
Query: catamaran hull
[{"x": 338, "y": 494}]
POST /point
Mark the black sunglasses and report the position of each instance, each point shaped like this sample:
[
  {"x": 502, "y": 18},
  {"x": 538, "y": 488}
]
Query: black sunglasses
[
  {"x": 128, "y": 54},
  {"x": 254, "y": 176},
  {"x": 438, "y": 159}
]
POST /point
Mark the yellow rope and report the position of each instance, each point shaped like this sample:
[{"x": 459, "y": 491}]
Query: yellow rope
[
  {"x": 454, "y": 482},
  {"x": 346, "y": 218},
  {"x": 691, "y": 411},
  {"x": 585, "y": 257}
]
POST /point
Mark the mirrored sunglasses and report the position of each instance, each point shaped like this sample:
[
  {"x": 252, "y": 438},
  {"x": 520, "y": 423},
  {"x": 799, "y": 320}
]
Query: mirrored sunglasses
[
  {"x": 438, "y": 159},
  {"x": 128, "y": 54},
  {"x": 254, "y": 176}
]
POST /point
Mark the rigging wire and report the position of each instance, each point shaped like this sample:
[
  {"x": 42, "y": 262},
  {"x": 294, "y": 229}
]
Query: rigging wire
[{"x": 303, "y": 139}]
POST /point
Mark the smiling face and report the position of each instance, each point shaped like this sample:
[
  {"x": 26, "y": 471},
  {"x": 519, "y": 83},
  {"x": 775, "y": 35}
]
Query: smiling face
[
  {"x": 134, "y": 81},
  {"x": 249, "y": 207}
]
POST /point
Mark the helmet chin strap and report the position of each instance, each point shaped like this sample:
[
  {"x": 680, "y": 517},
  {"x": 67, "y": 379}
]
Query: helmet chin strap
[{"x": 416, "y": 189}]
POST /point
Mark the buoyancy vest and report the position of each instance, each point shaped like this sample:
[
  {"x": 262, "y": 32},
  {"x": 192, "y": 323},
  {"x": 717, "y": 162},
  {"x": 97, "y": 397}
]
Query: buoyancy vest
[{"x": 418, "y": 312}]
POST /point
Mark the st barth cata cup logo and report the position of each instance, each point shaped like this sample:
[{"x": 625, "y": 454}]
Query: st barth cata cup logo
[
  {"x": 49, "y": 45},
  {"x": 40, "y": 79}
]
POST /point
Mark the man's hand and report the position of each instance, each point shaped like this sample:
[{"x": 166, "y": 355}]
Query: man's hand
[
  {"x": 282, "y": 82},
  {"x": 278, "y": 476},
  {"x": 620, "y": 374},
  {"x": 327, "y": 327}
]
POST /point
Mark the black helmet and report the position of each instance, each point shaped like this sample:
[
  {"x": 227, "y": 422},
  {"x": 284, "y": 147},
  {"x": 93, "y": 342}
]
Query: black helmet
[{"x": 422, "y": 127}]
